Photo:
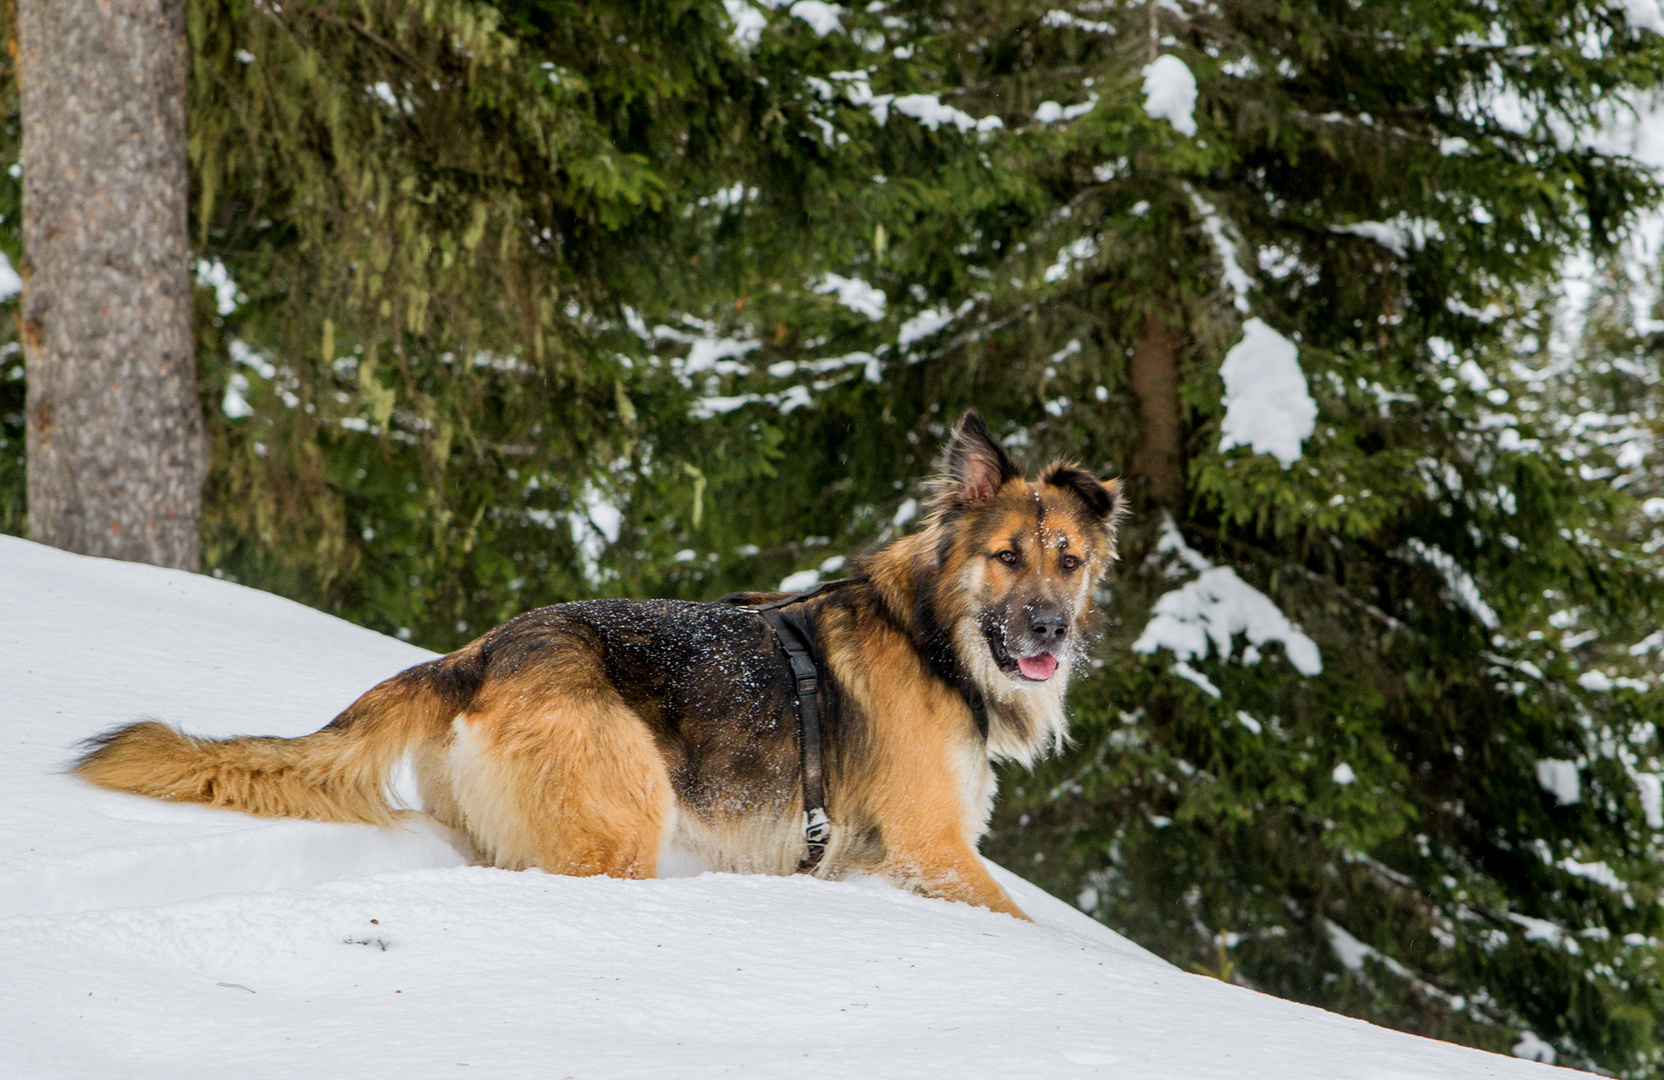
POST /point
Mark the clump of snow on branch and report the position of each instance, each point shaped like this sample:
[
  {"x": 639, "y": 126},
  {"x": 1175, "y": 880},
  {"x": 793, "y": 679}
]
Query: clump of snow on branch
[
  {"x": 749, "y": 23},
  {"x": 1050, "y": 112},
  {"x": 1062, "y": 20},
  {"x": 1190, "y": 674},
  {"x": 1399, "y": 235},
  {"x": 1532, "y": 1048},
  {"x": 801, "y": 581},
  {"x": 235, "y": 404},
  {"x": 717, "y": 354},
  {"x": 1651, "y": 787},
  {"x": 1211, "y": 610},
  {"x": 926, "y": 323},
  {"x": 794, "y": 397},
  {"x": 1560, "y": 778},
  {"x": 1643, "y": 14},
  {"x": 1216, "y": 607},
  {"x": 1236, "y": 278},
  {"x": 1461, "y": 584},
  {"x": 595, "y": 525},
  {"x": 1267, "y": 405},
  {"x": 1082, "y": 249},
  {"x": 1352, "y": 953},
  {"x": 212, "y": 274},
  {"x": 1170, "y": 93},
  {"x": 1600, "y": 682},
  {"x": 1597, "y": 872},
  {"x": 804, "y": 580},
  {"x": 855, "y": 294},
  {"x": 1543, "y": 930},
  {"x": 821, "y": 17},
  {"x": 928, "y": 110}
]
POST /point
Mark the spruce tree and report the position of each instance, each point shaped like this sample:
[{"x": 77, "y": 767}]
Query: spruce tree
[{"x": 1374, "y": 726}]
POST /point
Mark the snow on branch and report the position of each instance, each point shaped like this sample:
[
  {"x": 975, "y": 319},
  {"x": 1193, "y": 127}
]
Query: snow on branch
[
  {"x": 1236, "y": 278},
  {"x": 749, "y": 23},
  {"x": 855, "y": 294},
  {"x": 595, "y": 526},
  {"x": 1211, "y": 610},
  {"x": 821, "y": 17},
  {"x": 1460, "y": 582},
  {"x": 1170, "y": 93},
  {"x": 1399, "y": 235},
  {"x": 1642, "y": 14},
  {"x": 1560, "y": 778},
  {"x": 929, "y": 111},
  {"x": 1050, "y": 112},
  {"x": 1267, "y": 405}
]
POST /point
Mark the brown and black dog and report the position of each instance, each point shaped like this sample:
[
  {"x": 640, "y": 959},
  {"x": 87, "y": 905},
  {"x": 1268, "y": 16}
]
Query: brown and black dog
[{"x": 592, "y": 737}]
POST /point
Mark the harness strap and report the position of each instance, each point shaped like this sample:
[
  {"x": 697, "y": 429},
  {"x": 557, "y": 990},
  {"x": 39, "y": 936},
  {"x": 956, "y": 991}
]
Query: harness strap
[
  {"x": 794, "y": 641},
  {"x": 797, "y": 598},
  {"x": 817, "y": 828}
]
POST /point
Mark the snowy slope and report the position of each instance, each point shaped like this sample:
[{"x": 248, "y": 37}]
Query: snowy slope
[{"x": 144, "y": 939}]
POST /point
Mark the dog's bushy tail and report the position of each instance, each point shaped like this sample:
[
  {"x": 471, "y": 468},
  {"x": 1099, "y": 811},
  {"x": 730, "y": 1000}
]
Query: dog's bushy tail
[{"x": 336, "y": 774}]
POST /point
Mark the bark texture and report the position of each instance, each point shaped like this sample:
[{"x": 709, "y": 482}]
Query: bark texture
[
  {"x": 1154, "y": 376},
  {"x": 116, "y": 451}
]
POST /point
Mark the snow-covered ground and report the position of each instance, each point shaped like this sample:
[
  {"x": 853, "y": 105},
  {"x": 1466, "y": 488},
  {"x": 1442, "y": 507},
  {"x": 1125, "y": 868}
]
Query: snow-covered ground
[{"x": 141, "y": 939}]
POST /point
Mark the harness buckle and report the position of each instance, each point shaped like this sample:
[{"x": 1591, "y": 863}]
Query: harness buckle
[
  {"x": 806, "y": 686},
  {"x": 817, "y": 829}
]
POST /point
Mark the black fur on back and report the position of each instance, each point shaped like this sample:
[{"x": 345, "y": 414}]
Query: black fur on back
[{"x": 709, "y": 680}]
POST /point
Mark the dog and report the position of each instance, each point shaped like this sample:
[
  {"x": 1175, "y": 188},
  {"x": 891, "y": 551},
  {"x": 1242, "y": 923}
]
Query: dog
[{"x": 593, "y": 737}]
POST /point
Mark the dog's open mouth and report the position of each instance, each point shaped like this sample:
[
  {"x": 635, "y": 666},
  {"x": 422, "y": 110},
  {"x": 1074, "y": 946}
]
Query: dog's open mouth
[{"x": 1036, "y": 668}]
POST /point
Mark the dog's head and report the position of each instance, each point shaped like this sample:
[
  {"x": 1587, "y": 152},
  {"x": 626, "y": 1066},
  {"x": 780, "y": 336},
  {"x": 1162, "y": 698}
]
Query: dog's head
[{"x": 1017, "y": 562}]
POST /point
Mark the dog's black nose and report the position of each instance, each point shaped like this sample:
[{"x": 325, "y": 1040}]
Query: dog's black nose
[{"x": 1048, "y": 624}]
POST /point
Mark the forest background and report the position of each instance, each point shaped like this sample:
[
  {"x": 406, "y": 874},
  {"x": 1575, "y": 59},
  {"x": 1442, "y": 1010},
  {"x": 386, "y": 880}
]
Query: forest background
[{"x": 503, "y": 304}]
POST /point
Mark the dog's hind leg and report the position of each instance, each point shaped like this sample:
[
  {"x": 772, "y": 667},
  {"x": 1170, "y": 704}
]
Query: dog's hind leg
[{"x": 551, "y": 769}]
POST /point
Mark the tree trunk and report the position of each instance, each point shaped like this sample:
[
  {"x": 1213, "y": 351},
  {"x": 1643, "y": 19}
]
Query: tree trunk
[
  {"x": 116, "y": 451},
  {"x": 1159, "y": 458}
]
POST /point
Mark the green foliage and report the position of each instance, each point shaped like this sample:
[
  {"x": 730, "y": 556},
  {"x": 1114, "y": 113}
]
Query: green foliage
[
  {"x": 508, "y": 303},
  {"x": 435, "y": 215}
]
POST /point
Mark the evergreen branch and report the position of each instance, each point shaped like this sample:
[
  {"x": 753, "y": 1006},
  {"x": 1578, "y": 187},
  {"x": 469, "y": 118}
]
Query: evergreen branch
[{"x": 323, "y": 13}]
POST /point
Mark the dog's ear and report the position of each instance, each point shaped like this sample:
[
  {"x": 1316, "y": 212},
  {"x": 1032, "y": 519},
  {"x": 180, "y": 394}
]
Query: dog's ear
[
  {"x": 973, "y": 465},
  {"x": 1102, "y": 498}
]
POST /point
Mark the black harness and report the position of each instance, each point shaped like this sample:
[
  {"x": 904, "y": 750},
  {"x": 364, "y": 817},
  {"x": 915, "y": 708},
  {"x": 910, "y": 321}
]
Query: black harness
[{"x": 794, "y": 638}]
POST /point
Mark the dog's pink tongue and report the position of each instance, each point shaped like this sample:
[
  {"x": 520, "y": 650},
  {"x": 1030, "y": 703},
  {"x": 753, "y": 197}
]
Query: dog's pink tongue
[{"x": 1038, "y": 666}]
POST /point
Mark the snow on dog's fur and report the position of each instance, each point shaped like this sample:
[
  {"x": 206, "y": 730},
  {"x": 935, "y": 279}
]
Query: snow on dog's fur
[{"x": 593, "y": 737}]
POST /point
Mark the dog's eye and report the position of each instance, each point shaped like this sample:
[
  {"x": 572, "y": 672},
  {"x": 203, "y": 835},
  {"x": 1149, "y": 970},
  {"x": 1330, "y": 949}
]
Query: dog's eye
[
  {"x": 1007, "y": 557},
  {"x": 1070, "y": 562}
]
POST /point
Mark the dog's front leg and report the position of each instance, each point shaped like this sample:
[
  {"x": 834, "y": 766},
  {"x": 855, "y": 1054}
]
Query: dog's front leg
[{"x": 948, "y": 868}]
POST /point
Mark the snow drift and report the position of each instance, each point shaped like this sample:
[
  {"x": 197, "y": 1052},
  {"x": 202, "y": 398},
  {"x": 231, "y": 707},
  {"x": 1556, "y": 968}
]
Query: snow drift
[{"x": 146, "y": 939}]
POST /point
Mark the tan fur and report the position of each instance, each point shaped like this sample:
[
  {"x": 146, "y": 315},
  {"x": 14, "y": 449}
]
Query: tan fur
[
  {"x": 556, "y": 772},
  {"x": 336, "y": 774},
  {"x": 522, "y": 742},
  {"x": 929, "y": 782}
]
